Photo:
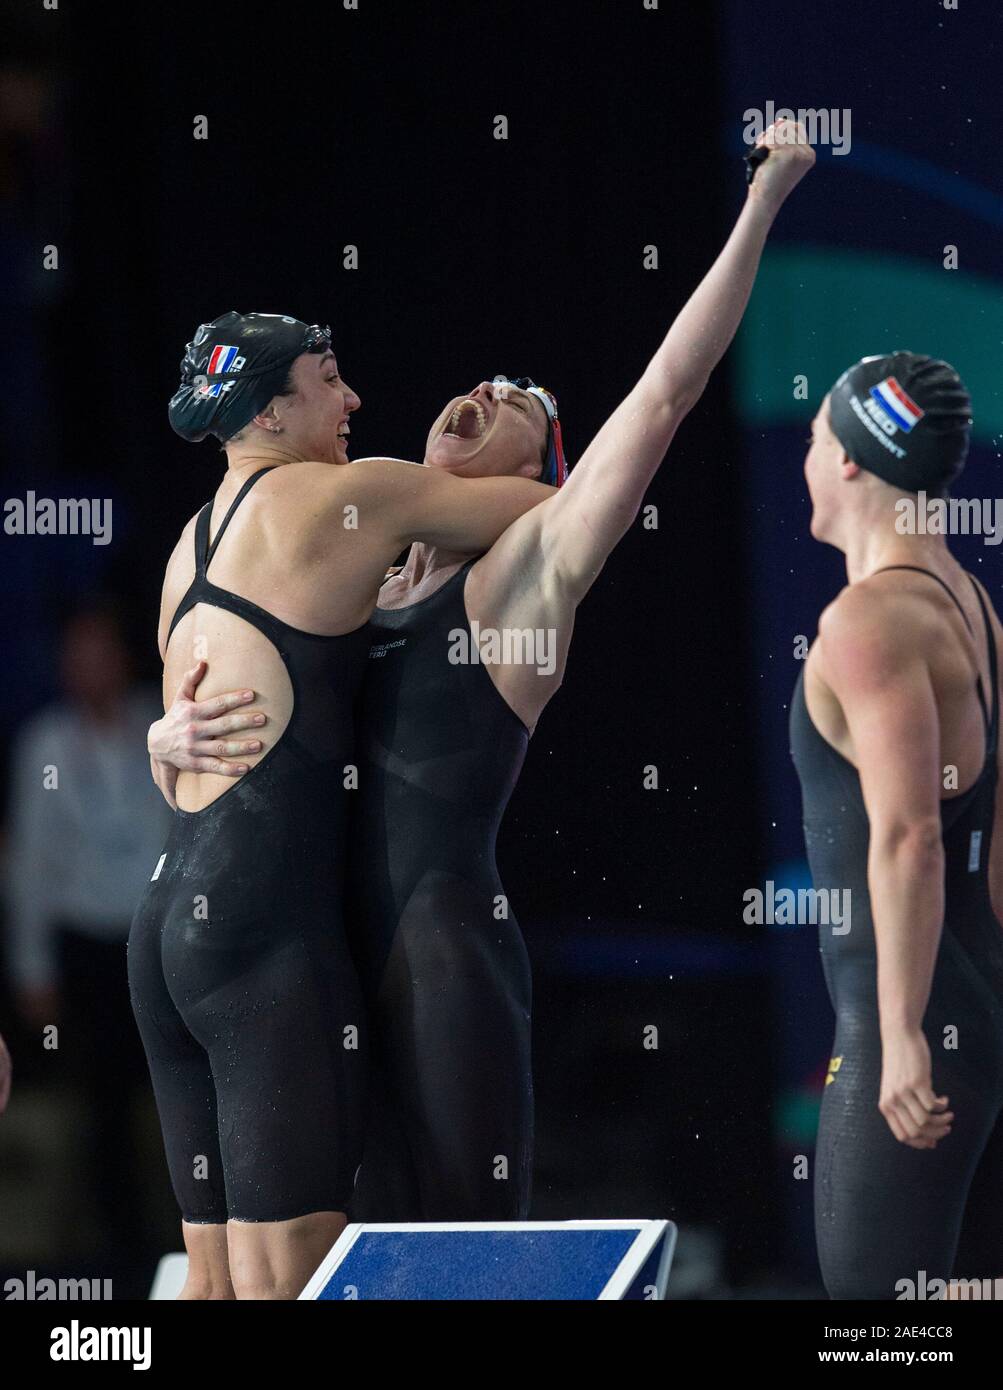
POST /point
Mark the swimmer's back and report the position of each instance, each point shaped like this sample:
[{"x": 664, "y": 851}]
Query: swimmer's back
[
  {"x": 290, "y": 549},
  {"x": 309, "y": 545},
  {"x": 270, "y": 557},
  {"x": 248, "y": 612}
]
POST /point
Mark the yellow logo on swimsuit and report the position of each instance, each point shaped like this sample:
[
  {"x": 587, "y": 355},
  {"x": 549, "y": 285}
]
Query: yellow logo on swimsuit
[{"x": 834, "y": 1065}]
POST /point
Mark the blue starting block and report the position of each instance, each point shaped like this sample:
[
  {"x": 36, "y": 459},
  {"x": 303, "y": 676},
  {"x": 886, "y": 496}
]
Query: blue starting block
[{"x": 485, "y": 1260}]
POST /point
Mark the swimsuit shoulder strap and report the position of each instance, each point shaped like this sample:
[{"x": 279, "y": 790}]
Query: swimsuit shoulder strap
[
  {"x": 988, "y": 718},
  {"x": 916, "y": 569},
  {"x": 203, "y": 550},
  {"x": 994, "y": 694},
  {"x": 202, "y": 537}
]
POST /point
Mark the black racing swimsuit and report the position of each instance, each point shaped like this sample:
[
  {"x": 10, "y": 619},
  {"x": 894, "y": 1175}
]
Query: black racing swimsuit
[
  {"x": 241, "y": 979},
  {"x": 884, "y": 1211},
  {"x": 442, "y": 959}
]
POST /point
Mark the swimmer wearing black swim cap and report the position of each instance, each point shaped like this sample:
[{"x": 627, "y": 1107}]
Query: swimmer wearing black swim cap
[
  {"x": 234, "y": 366},
  {"x": 242, "y": 1019},
  {"x": 894, "y": 732},
  {"x": 904, "y": 417},
  {"x": 444, "y": 726}
]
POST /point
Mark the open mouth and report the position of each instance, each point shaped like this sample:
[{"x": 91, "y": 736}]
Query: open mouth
[{"x": 468, "y": 421}]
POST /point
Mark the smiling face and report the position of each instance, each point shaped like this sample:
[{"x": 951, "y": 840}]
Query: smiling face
[
  {"x": 314, "y": 416},
  {"x": 494, "y": 430}
]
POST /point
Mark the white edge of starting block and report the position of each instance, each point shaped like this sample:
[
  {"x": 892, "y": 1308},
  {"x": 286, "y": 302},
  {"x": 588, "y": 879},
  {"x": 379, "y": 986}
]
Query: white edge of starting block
[
  {"x": 649, "y": 1232},
  {"x": 169, "y": 1280},
  {"x": 630, "y": 1266}
]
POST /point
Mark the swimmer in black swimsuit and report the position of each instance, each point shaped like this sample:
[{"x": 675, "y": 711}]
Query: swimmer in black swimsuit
[
  {"x": 242, "y": 984},
  {"x": 442, "y": 739},
  {"x": 895, "y": 735}
]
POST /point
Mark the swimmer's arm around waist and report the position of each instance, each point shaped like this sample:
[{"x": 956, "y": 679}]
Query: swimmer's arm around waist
[
  {"x": 200, "y": 735},
  {"x": 164, "y": 774}
]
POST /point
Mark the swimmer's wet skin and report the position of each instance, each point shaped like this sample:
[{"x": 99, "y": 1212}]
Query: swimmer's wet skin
[
  {"x": 243, "y": 1010},
  {"x": 882, "y": 1210},
  {"x": 442, "y": 744},
  {"x": 887, "y": 1210}
]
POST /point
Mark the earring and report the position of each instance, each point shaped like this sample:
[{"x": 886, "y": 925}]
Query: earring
[{"x": 275, "y": 429}]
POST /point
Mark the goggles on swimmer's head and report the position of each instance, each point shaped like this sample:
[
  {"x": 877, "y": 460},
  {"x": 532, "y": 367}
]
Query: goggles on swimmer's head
[
  {"x": 317, "y": 338},
  {"x": 555, "y": 467}
]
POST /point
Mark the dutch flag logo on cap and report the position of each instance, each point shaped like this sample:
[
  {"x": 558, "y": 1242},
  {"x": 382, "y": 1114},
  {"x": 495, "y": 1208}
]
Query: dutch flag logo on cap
[
  {"x": 897, "y": 403},
  {"x": 221, "y": 360}
]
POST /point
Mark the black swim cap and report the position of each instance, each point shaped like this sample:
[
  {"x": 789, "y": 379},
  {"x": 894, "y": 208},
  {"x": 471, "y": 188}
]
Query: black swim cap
[
  {"x": 905, "y": 418},
  {"x": 233, "y": 367}
]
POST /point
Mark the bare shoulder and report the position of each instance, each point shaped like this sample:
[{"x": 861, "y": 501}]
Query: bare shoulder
[
  {"x": 361, "y": 498},
  {"x": 311, "y": 473},
  {"x": 364, "y": 477},
  {"x": 384, "y": 475},
  {"x": 880, "y": 606},
  {"x": 301, "y": 477},
  {"x": 312, "y": 490},
  {"x": 379, "y": 459},
  {"x": 874, "y": 627}
]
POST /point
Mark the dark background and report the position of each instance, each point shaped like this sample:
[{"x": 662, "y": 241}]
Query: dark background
[{"x": 373, "y": 128}]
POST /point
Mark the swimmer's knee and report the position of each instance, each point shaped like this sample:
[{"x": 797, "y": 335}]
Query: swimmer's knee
[
  {"x": 208, "y": 1276},
  {"x": 275, "y": 1259}
]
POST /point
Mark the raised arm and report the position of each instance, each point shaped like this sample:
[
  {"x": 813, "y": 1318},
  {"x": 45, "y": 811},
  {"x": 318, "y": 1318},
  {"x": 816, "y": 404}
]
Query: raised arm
[{"x": 602, "y": 497}]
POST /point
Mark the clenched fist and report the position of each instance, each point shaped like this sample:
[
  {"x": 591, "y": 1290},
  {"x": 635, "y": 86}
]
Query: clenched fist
[{"x": 790, "y": 158}]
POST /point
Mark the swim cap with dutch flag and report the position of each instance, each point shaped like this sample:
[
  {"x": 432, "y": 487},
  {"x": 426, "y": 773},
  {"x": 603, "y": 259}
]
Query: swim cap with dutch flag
[{"x": 904, "y": 417}]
